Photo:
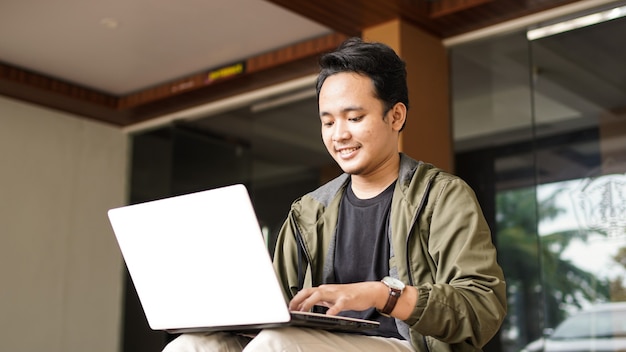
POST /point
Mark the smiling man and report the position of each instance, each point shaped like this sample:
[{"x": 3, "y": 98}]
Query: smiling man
[
  {"x": 392, "y": 239},
  {"x": 360, "y": 132}
]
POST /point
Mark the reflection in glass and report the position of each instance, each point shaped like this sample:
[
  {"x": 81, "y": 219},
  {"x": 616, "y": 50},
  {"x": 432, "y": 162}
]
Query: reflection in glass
[
  {"x": 599, "y": 328},
  {"x": 600, "y": 205},
  {"x": 583, "y": 240},
  {"x": 544, "y": 124},
  {"x": 580, "y": 264},
  {"x": 603, "y": 321}
]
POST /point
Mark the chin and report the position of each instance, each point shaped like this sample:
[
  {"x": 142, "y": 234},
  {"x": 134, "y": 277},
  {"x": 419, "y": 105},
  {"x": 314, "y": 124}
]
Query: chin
[
  {"x": 350, "y": 167},
  {"x": 350, "y": 170}
]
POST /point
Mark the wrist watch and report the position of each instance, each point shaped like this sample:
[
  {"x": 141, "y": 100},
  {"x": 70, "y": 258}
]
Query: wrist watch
[{"x": 395, "y": 290}]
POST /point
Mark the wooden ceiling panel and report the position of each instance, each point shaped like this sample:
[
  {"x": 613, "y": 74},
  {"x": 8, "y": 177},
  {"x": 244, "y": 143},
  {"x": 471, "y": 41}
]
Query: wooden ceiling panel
[
  {"x": 444, "y": 18},
  {"x": 257, "y": 72}
]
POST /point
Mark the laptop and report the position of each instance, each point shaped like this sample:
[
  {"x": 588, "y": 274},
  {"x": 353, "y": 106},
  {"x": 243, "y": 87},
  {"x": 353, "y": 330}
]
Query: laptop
[{"x": 199, "y": 262}]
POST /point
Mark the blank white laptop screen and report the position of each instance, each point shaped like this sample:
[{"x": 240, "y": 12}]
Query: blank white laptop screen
[{"x": 199, "y": 262}]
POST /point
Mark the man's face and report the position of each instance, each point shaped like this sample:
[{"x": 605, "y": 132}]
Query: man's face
[{"x": 357, "y": 131}]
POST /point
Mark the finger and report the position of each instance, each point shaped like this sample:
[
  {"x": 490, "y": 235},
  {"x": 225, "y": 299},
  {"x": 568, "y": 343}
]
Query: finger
[
  {"x": 333, "y": 310},
  {"x": 316, "y": 298},
  {"x": 335, "y": 307},
  {"x": 297, "y": 302},
  {"x": 310, "y": 301}
]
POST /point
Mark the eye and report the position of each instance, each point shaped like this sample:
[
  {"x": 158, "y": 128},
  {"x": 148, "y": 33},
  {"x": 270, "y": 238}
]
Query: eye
[{"x": 356, "y": 118}]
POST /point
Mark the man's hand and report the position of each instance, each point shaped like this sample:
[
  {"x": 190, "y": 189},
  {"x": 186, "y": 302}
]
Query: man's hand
[{"x": 357, "y": 296}]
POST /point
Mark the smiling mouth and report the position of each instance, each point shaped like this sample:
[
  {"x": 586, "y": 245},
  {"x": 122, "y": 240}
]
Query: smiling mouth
[{"x": 347, "y": 151}]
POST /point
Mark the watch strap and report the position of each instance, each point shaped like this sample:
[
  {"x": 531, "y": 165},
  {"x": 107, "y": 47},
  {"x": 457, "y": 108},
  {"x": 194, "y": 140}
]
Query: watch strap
[{"x": 394, "y": 293}]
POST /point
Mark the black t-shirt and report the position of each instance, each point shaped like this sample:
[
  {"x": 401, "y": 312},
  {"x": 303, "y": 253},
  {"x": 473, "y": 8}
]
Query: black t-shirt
[{"x": 362, "y": 249}]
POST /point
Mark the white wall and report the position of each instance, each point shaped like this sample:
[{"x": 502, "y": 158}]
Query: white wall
[{"x": 60, "y": 268}]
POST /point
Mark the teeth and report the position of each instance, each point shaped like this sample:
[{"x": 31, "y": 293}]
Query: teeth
[{"x": 347, "y": 151}]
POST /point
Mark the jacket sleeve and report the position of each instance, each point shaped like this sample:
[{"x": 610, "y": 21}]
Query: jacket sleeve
[
  {"x": 466, "y": 303},
  {"x": 286, "y": 259}
]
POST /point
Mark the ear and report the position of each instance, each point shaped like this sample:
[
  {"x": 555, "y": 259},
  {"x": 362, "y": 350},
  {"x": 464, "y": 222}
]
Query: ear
[{"x": 398, "y": 116}]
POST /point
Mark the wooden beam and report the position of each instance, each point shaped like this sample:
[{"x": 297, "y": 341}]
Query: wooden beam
[
  {"x": 440, "y": 8},
  {"x": 256, "y": 72},
  {"x": 234, "y": 70}
]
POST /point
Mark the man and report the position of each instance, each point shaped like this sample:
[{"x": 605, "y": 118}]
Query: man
[{"x": 392, "y": 239}]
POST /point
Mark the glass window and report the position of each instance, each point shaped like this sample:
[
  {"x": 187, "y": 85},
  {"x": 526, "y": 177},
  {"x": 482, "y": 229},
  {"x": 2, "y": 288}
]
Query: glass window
[
  {"x": 580, "y": 90},
  {"x": 540, "y": 132}
]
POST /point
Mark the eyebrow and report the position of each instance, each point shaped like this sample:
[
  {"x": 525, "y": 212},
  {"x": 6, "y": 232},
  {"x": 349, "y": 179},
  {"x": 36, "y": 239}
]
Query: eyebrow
[{"x": 343, "y": 111}]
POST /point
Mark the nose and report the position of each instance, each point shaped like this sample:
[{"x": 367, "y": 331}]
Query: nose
[{"x": 340, "y": 131}]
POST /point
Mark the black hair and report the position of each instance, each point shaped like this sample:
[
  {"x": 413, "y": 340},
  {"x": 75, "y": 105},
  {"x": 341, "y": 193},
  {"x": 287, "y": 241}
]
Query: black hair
[{"x": 375, "y": 60}]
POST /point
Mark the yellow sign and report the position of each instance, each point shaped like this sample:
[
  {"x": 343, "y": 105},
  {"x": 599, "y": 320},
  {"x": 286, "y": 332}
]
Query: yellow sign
[{"x": 225, "y": 72}]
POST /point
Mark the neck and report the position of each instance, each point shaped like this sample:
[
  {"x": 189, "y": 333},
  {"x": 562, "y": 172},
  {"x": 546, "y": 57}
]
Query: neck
[{"x": 372, "y": 184}]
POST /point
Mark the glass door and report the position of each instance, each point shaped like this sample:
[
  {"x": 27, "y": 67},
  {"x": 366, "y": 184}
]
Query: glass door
[
  {"x": 579, "y": 90},
  {"x": 540, "y": 135}
]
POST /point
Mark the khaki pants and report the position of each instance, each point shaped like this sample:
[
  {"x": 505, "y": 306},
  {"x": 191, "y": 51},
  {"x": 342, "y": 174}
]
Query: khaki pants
[{"x": 285, "y": 340}]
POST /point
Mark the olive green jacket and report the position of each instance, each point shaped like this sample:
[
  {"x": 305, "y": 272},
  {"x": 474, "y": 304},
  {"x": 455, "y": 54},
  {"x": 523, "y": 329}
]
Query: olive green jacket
[{"x": 440, "y": 243}]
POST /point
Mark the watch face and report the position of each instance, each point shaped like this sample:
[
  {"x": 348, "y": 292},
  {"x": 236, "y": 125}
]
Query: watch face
[{"x": 393, "y": 283}]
